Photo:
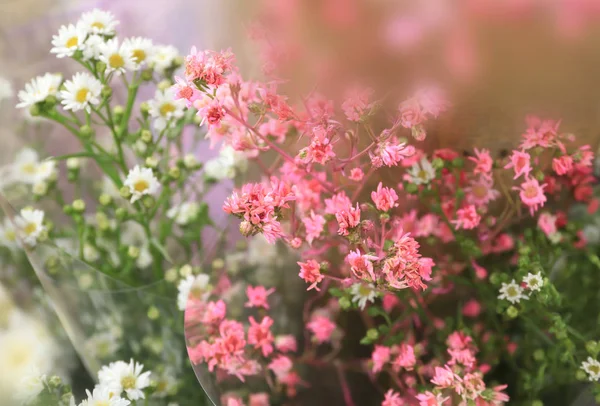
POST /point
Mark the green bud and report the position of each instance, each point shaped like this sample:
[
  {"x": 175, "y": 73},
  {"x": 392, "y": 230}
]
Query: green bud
[
  {"x": 345, "y": 303},
  {"x": 372, "y": 334},
  {"x": 164, "y": 84},
  {"x": 178, "y": 61},
  {"x": 218, "y": 263},
  {"x": 458, "y": 162},
  {"x": 537, "y": 403},
  {"x": 105, "y": 199},
  {"x": 86, "y": 131},
  {"x": 68, "y": 209},
  {"x": 411, "y": 188},
  {"x": 187, "y": 270},
  {"x": 592, "y": 348},
  {"x": 197, "y": 120},
  {"x": 384, "y": 216},
  {"x": 50, "y": 102},
  {"x": 146, "y": 136},
  {"x": 460, "y": 194},
  {"x": 437, "y": 163},
  {"x": 121, "y": 213},
  {"x": 125, "y": 192},
  {"x": 55, "y": 381},
  {"x": 34, "y": 110},
  {"x": 79, "y": 205},
  {"x": 118, "y": 111},
  {"x": 580, "y": 375},
  {"x": 495, "y": 278},
  {"x": 133, "y": 251},
  {"x": 512, "y": 312},
  {"x": 73, "y": 163},
  {"x": 148, "y": 201},
  {"x": 145, "y": 109},
  {"x": 153, "y": 313},
  {"x": 539, "y": 175},
  {"x": 174, "y": 172},
  {"x": 147, "y": 75},
  {"x": 100, "y": 67},
  {"x": 190, "y": 161},
  {"x": 171, "y": 275},
  {"x": 152, "y": 162},
  {"x": 106, "y": 92}
]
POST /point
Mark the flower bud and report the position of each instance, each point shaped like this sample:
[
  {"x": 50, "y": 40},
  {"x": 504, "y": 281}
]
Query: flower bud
[
  {"x": 86, "y": 131},
  {"x": 539, "y": 355},
  {"x": 121, "y": 213},
  {"x": 105, "y": 199},
  {"x": 411, "y": 188},
  {"x": 133, "y": 252},
  {"x": 164, "y": 85},
  {"x": 171, "y": 275},
  {"x": 345, "y": 303},
  {"x": 151, "y": 162},
  {"x": 458, "y": 162},
  {"x": 34, "y": 110},
  {"x": 580, "y": 375},
  {"x": 147, "y": 75},
  {"x": 40, "y": 188},
  {"x": 106, "y": 92},
  {"x": 79, "y": 205},
  {"x": 592, "y": 348},
  {"x": 153, "y": 313},
  {"x": 73, "y": 163},
  {"x": 185, "y": 271},
  {"x": 100, "y": 67},
  {"x": 174, "y": 172},
  {"x": 372, "y": 334},
  {"x": 178, "y": 61},
  {"x": 146, "y": 136},
  {"x": 54, "y": 381},
  {"x": 145, "y": 109},
  {"x": 118, "y": 111},
  {"x": 218, "y": 263},
  {"x": 512, "y": 312},
  {"x": 190, "y": 161},
  {"x": 246, "y": 228},
  {"x": 125, "y": 192},
  {"x": 148, "y": 201}
]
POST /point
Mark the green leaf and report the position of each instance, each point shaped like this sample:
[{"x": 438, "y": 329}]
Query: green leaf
[{"x": 162, "y": 250}]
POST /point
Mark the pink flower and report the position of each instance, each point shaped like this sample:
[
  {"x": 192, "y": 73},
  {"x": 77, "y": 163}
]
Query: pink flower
[
  {"x": 384, "y": 198},
  {"x": 405, "y": 359},
  {"x": 458, "y": 340},
  {"x": 356, "y": 174},
  {"x": 389, "y": 302},
  {"x": 310, "y": 271},
  {"x": 212, "y": 112},
  {"x": 562, "y": 165},
  {"x": 260, "y": 335},
  {"x": 483, "y": 161},
  {"x": 390, "y": 153},
  {"x": 322, "y": 328},
  {"x": 429, "y": 399},
  {"x": 444, "y": 377},
  {"x": 547, "y": 223},
  {"x": 286, "y": 343},
  {"x": 380, "y": 356},
  {"x": 472, "y": 308},
  {"x": 337, "y": 202},
  {"x": 208, "y": 66},
  {"x": 464, "y": 357},
  {"x": 259, "y": 399},
  {"x": 467, "y": 218},
  {"x": 274, "y": 128},
  {"x": 480, "y": 271},
  {"x": 361, "y": 265},
  {"x": 481, "y": 191},
  {"x": 257, "y": 297},
  {"x": 532, "y": 194},
  {"x": 357, "y": 103},
  {"x": 392, "y": 399},
  {"x": 214, "y": 312},
  {"x": 410, "y": 113},
  {"x": 433, "y": 100},
  {"x": 186, "y": 91},
  {"x": 281, "y": 366},
  {"x": 348, "y": 218},
  {"x": 314, "y": 226},
  {"x": 520, "y": 161},
  {"x": 320, "y": 149}
]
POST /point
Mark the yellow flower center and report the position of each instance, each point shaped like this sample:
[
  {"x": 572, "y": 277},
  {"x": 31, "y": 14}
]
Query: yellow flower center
[
  {"x": 512, "y": 291},
  {"x": 10, "y": 235},
  {"x": 139, "y": 55},
  {"x": 479, "y": 191},
  {"x": 422, "y": 174},
  {"x": 98, "y": 25},
  {"x": 364, "y": 290},
  {"x": 531, "y": 192},
  {"x": 141, "y": 185},
  {"x": 116, "y": 61},
  {"x": 72, "y": 42},
  {"x": 102, "y": 403},
  {"x": 594, "y": 369},
  {"x": 29, "y": 168},
  {"x": 166, "y": 108},
  {"x": 128, "y": 382},
  {"x": 30, "y": 228},
  {"x": 82, "y": 95}
]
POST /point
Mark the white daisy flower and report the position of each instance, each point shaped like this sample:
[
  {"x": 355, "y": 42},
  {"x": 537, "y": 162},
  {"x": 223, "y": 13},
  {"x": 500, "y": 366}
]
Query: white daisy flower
[
  {"x": 592, "y": 368},
  {"x": 141, "y": 181},
  {"x": 93, "y": 47},
  {"x": 512, "y": 292},
  {"x": 141, "y": 50},
  {"x": 38, "y": 89},
  {"x": 8, "y": 235},
  {"x": 164, "y": 108},
  {"x": 30, "y": 225},
  {"x": 422, "y": 172},
  {"x": 80, "y": 92},
  {"x": 30, "y": 387},
  {"x": 120, "y": 376},
  {"x": 6, "y": 89},
  {"x": 70, "y": 39},
  {"x": 363, "y": 293},
  {"x": 229, "y": 163},
  {"x": 118, "y": 59},
  {"x": 184, "y": 213},
  {"x": 534, "y": 281},
  {"x": 102, "y": 396},
  {"x": 144, "y": 259},
  {"x": 163, "y": 57},
  {"x": 28, "y": 169},
  {"x": 196, "y": 286},
  {"x": 99, "y": 22}
]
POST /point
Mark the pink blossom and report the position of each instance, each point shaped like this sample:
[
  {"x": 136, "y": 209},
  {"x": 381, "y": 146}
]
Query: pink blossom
[
  {"x": 320, "y": 149},
  {"x": 405, "y": 359},
  {"x": 391, "y": 153},
  {"x": 357, "y": 103},
  {"x": 337, "y": 202},
  {"x": 322, "y": 328},
  {"x": 432, "y": 100},
  {"x": 384, "y": 198},
  {"x": 361, "y": 265},
  {"x": 481, "y": 191},
  {"x": 314, "y": 226},
  {"x": 259, "y": 399},
  {"x": 259, "y": 335},
  {"x": 348, "y": 218},
  {"x": 392, "y": 399},
  {"x": 389, "y": 302},
  {"x": 286, "y": 343},
  {"x": 356, "y": 174},
  {"x": 467, "y": 218},
  {"x": 483, "y": 161},
  {"x": 310, "y": 271},
  {"x": 532, "y": 194},
  {"x": 257, "y": 296},
  {"x": 380, "y": 356},
  {"x": 281, "y": 366},
  {"x": 212, "y": 112},
  {"x": 427, "y": 225},
  {"x": 472, "y": 308},
  {"x": 214, "y": 312},
  {"x": 520, "y": 161},
  {"x": 208, "y": 66},
  {"x": 429, "y": 399},
  {"x": 464, "y": 357},
  {"x": 410, "y": 113},
  {"x": 444, "y": 377},
  {"x": 547, "y": 223},
  {"x": 562, "y": 165},
  {"x": 186, "y": 91},
  {"x": 274, "y": 128},
  {"x": 458, "y": 340}
]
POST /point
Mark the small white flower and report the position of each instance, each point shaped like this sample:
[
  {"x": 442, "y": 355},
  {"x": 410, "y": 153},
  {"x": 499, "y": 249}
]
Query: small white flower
[
  {"x": 592, "y": 368},
  {"x": 229, "y": 163},
  {"x": 99, "y": 22},
  {"x": 28, "y": 169},
  {"x": 184, "y": 213},
  {"x": 30, "y": 225},
  {"x": 144, "y": 259},
  {"x": 90, "y": 253},
  {"x": 141, "y": 50},
  {"x": 73, "y": 163},
  {"x": 102, "y": 396},
  {"x": 422, "y": 172},
  {"x": 512, "y": 292},
  {"x": 196, "y": 286},
  {"x": 8, "y": 235},
  {"x": 70, "y": 39},
  {"x": 164, "y": 108},
  {"x": 118, "y": 59},
  {"x": 534, "y": 281},
  {"x": 120, "y": 376},
  {"x": 141, "y": 181},
  {"x": 93, "y": 47},
  {"x": 80, "y": 92},
  {"x": 163, "y": 57},
  {"x": 363, "y": 293},
  {"x": 30, "y": 387},
  {"x": 38, "y": 89},
  {"x": 6, "y": 90}
]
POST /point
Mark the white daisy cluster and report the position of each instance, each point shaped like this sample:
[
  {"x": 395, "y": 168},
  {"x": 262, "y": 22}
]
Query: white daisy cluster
[
  {"x": 164, "y": 109},
  {"x": 28, "y": 227},
  {"x": 514, "y": 292},
  {"x": 28, "y": 169},
  {"x": 92, "y": 41},
  {"x": 592, "y": 369},
  {"x": 227, "y": 165}
]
